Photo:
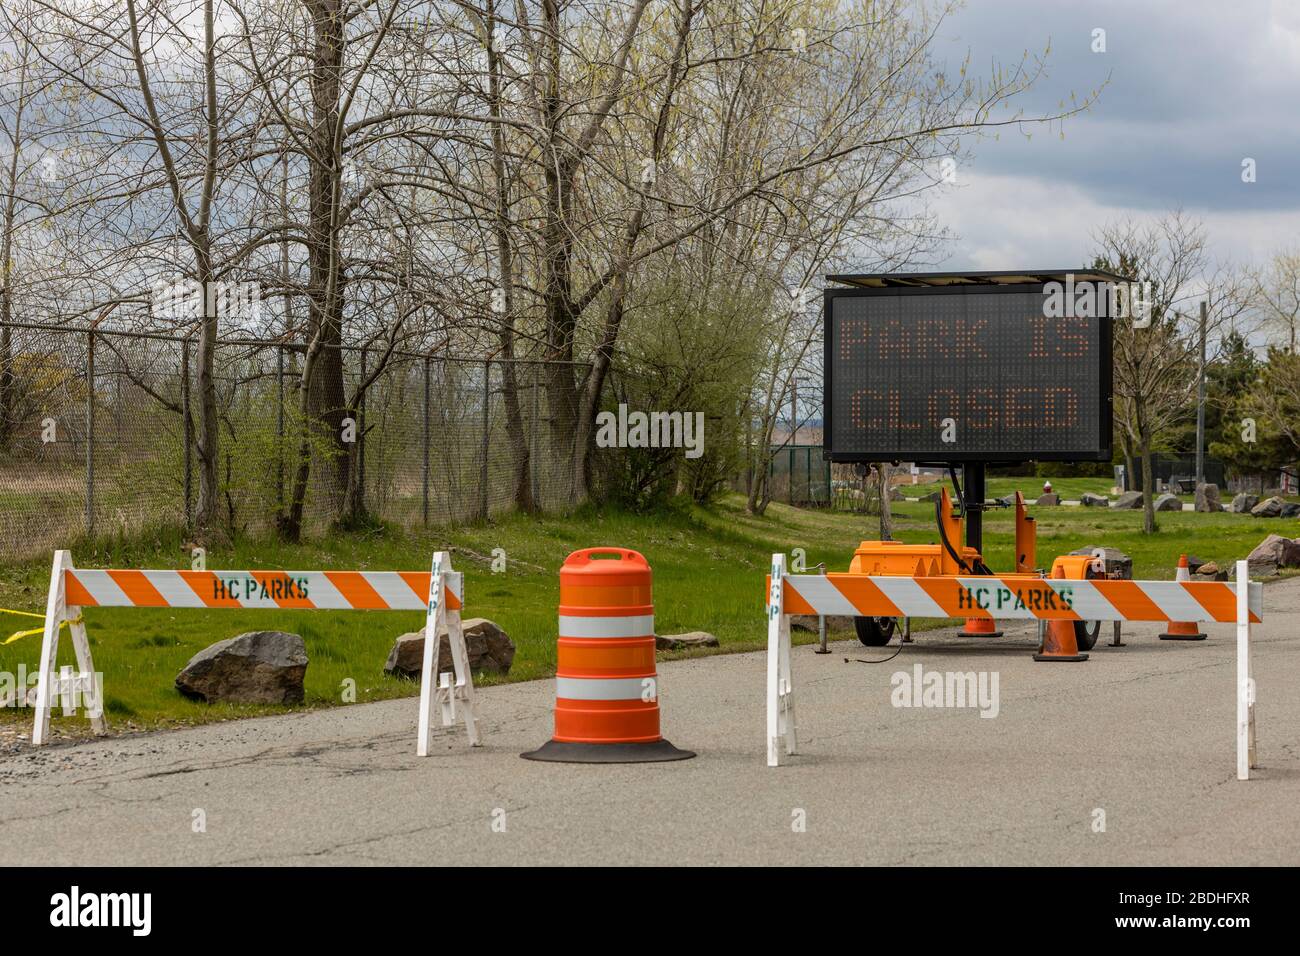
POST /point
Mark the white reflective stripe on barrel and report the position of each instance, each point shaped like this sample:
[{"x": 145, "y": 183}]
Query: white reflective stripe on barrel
[
  {"x": 605, "y": 688},
  {"x": 641, "y": 625}
]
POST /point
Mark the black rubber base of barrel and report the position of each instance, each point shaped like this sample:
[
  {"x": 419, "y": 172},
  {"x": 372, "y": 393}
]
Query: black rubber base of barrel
[
  {"x": 1182, "y": 637},
  {"x": 979, "y": 633},
  {"x": 560, "y": 751},
  {"x": 1060, "y": 657}
]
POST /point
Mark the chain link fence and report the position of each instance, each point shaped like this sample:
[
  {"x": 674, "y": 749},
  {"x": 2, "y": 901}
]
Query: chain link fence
[
  {"x": 97, "y": 437},
  {"x": 799, "y": 475}
]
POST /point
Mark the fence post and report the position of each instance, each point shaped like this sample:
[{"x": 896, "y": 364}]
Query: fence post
[
  {"x": 90, "y": 433},
  {"x": 189, "y": 436},
  {"x": 425, "y": 469},
  {"x": 361, "y": 434},
  {"x": 533, "y": 461},
  {"x": 279, "y": 426},
  {"x": 487, "y": 422}
]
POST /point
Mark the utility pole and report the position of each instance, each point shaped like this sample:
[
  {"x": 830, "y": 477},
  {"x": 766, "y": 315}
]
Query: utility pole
[{"x": 1200, "y": 406}]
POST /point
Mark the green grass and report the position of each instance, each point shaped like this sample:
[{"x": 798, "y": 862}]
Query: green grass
[
  {"x": 1031, "y": 487},
  {"x": 708, "y": 564}
]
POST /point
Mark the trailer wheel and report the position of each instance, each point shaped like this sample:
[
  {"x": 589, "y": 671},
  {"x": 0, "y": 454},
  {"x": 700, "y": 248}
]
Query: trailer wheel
[
  {"x": 1085, "y": 634},
  {"x": 874, "y": 631}
]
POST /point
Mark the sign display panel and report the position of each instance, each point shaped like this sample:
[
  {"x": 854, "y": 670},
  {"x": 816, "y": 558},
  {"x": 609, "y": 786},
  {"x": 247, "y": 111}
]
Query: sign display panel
[{"x": 984, "y": 373}]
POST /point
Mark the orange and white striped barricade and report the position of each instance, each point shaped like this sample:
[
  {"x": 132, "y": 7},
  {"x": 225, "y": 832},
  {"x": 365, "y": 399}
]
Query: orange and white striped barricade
[
  {"x": 1068, "y": 599},
  {"x": 438, "y": 592}
]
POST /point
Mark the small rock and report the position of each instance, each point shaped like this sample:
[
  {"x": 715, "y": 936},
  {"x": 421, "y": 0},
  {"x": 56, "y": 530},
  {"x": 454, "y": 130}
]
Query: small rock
[
  {"x": 1242, "y": 503},
  {"x": 680, "y": 642},
  {"x": 1048, "y": 499},
  {"x": 1128, "y": 501},
  {"x": 1210, "y": 571},
  {"x": 490, "y": 650},
  {"x": 1268, "y": 508},
  {"x": 1207, "y": 498},
  {"x": 260, "y": 667},
  {"x": 1168, "y": 503},
  {"x": 1089, "y": 500},
  {"x": 1118, "y": 564}
]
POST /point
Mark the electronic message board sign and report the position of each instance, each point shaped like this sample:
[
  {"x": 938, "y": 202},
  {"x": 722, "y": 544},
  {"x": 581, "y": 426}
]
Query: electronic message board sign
[{"x": 979, "y": 373}]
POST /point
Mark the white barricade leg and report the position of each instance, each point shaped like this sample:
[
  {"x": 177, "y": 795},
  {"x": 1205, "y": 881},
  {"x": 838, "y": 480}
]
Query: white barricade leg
[
  {"x": 780, "y": 683},
  {"x": 55, "y": 608},
  {"x": 1245, "y": 688},
  {"x": 462, "y": 692},
  {"x": 434, "y": 691},
  {"x": 92, "y": 698}
]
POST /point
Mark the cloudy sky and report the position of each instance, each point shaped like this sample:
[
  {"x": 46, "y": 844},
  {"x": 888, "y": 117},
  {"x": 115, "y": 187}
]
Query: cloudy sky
[{"x": 1195, "y": 87}]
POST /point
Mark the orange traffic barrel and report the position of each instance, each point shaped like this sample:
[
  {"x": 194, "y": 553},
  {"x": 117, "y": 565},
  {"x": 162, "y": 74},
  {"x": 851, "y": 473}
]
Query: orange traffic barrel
[
  {"x": 606, "y": 686},
  {"x": 1183, "y": 630}
]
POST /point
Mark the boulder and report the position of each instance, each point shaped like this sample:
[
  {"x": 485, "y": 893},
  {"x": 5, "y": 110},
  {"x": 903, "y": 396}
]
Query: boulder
[
  {"x": 1048, "y": 499},
  {"x": 680, "y": 642},
  {"x": 260, "y": 667},
  {"x": 932, "y": 496},
  {"x": 1268, "y": 508},
  {"x": 1207, "y": 498},
  {"x": 490, "y": 650},
  {"x": 1118, "y": 564},
  {"x": 1089, "y": 500},
  {"x": 1242, "y": 503},
  {"x": 1128, "y": 501},
  {"x": 1168, "y": 503},
  {"x": 1290, "y": 510},
  {"x": 1272, "y": 553}
]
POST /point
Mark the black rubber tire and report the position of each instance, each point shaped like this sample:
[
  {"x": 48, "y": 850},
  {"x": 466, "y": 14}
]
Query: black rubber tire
[
  {"x": 874, "y": 631},
  {"x": 1085, "y": 634}
]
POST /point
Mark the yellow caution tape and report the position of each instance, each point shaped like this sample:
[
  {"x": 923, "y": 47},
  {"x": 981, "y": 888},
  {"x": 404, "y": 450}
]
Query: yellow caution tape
[{"x": 36, "y": 630}]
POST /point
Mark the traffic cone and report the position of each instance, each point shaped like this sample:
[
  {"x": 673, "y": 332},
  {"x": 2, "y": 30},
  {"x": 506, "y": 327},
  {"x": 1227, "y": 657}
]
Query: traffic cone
[
  {"x": 979, "y": 627},
  {"x": 606, "y": 687},
  {"x": 1183, "y": 630},
  {"x": 1059, "y": 643}
]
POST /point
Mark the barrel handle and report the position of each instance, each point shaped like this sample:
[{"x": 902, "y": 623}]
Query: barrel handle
[{"x": 623, "y": 554}]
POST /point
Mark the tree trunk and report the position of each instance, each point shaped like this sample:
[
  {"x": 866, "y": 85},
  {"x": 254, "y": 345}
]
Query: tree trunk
[
  {"x": 207, "y": 436},
  {"x": 516, "y": 435},
  {"x": 324, "y": 401},
  {"x": 1148, "y": 487}
]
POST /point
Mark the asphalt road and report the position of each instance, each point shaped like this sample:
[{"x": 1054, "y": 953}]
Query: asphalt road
[{"x": 1144, "y": 733}]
